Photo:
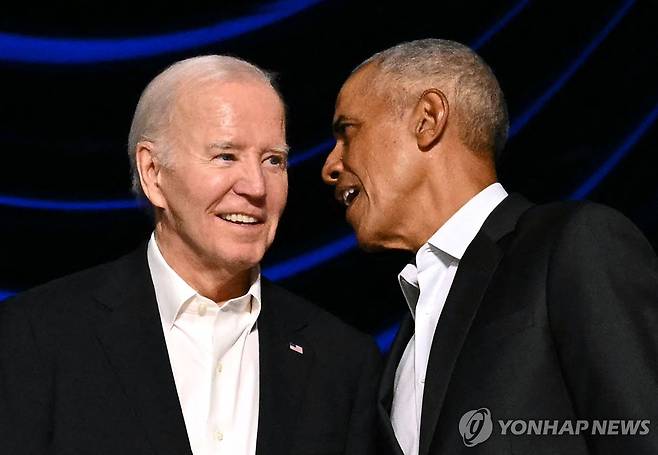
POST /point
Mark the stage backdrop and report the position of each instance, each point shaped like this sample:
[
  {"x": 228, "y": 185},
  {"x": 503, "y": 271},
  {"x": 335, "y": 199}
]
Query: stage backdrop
[{"x": 580, "y": 80}]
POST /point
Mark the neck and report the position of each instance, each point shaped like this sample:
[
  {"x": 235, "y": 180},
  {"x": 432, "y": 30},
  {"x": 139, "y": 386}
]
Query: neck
[
  {"x": 216, "y": 282},
  {"x": 448, "y": 188}
]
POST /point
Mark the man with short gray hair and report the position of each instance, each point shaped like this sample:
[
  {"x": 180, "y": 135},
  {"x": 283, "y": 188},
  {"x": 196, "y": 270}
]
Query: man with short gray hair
[
  {"x": 182, "y": 347},
  {"x": 532, "y": 329}
]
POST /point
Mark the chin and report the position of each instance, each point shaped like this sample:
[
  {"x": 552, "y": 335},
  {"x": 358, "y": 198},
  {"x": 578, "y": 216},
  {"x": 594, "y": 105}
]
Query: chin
[
  {"x": 245, "y": 262},
  {"x": 240, "y": 261},
  {"x": 371, "y": 247},
  {"x": 371, "y": 240},
  {"x": 368, "y": 242}
]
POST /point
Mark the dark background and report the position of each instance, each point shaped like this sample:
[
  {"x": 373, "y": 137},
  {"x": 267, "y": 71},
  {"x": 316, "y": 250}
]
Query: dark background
[{"x": 581, "y": 80}]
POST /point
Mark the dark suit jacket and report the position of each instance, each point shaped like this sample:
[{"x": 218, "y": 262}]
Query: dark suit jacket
[
  {"x": 553, "y": 315},
  {"x": 84, "y": 369}
]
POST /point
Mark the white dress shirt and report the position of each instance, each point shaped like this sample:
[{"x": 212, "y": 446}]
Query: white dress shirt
[
  {"x": 425, "y": 287},
  {"x": 213, "y": 349}
]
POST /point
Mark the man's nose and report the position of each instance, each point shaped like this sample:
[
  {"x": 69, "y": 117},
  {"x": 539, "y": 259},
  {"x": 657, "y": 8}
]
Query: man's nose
[
  {"x": 252, "y": 182},
  {"x": 333, "y": 166}
]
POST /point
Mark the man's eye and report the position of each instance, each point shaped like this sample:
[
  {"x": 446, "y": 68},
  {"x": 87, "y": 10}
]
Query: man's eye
[
  {"x": 225, "y": 157},
  {"x": 277, "y": 160},
  {"x": 343, "y": 128},
  {"x": 344, "y": 132}
]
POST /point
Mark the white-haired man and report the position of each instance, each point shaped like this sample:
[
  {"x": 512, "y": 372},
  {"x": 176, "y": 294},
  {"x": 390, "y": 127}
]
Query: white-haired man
[
  {"x": 181, "y": 347},
  {"x": 527, "y": 324}
]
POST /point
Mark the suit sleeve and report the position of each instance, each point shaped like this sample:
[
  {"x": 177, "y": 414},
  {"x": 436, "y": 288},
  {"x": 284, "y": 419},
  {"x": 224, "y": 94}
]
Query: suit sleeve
[
  {"x": 24, "y": 384},
  {"x": 603, "y": 309},
  {"x": 362, "y": 437}
]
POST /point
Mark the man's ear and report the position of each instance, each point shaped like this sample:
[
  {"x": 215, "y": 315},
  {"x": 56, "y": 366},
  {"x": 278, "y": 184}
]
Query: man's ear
[
  {"x": 149, "y": 169},
  {"x": 430, "y": 118}
]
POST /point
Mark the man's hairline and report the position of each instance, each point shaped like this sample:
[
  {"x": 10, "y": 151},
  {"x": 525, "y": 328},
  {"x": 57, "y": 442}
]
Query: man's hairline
[
  {"x": 196, "y": 83},
  {"x": 404, "y": 96}
]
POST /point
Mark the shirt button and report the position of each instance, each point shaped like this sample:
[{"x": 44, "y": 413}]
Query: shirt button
[
  {"x": 203, "y": 306},
  {"x": 219, "y": 368},
  {"x": 422, "y": 381},
  {"x": 219, "y": 436}
]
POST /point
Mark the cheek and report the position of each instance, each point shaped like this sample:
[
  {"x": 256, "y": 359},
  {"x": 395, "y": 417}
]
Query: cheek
[
  {"x": 183, "y": 184},
  {"x": 209, "y": 190},
  {"x": 277, "y": 193},
  {"x": 407, "y": 171},
  {"x": 178, "y": 194},
  {"x": 388, "y": 196}
]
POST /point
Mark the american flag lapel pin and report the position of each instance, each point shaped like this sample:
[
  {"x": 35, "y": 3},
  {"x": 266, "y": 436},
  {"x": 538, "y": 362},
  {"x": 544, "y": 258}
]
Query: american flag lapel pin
[{"x": 297, "y": 348}]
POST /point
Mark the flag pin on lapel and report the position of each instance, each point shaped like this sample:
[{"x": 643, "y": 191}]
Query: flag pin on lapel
[{"x": 298, "y": 349}]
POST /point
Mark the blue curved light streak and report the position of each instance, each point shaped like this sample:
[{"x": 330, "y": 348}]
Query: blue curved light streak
[
  {"x": 69, "y": 206},
  {"x": 308, "y": 260},
  {"x": 500, "y": 24},
  {"x": 298, "y": 158},
  {"x": 6, "y": 294},
  {"x": 124, "y": 204},
  {"x": 613, "y": 160},
  {"x": 385, "y": 338},
  {"x": 520, "y": 121},
  {"x": 31, "y": 49}
]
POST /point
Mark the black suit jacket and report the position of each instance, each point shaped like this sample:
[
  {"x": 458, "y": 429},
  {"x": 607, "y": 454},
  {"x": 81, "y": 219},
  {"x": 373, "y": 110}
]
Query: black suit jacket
[
  {"x": 552, "y": 315},
  {"x": 84, "y": 369}
]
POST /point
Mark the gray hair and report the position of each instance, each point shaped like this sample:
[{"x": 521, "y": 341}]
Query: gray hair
[
  {"x": 156, "y": 104},
  {"x": 408, "y": 69}
]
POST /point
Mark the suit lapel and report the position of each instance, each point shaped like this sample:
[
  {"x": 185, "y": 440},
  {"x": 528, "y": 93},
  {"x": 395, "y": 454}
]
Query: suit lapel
[
  {"x": 474, "y": 274},
  {"x": 283, "y": 371},
  {"x": 475, "y": 270},
  {"x": 129, "y": 329},
  {"x": 385, "y": 396}
]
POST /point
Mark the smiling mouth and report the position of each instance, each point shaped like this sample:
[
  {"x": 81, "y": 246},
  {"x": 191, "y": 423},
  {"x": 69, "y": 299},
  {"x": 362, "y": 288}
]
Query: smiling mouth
[
  {"x": 239, "y": 218},
  {"x": 349, "y": 195}
]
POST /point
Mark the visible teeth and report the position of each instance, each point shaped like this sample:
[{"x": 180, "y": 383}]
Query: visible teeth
[
  {"x": 239, "y": 218},
  {"x": 348, "y": 196}
]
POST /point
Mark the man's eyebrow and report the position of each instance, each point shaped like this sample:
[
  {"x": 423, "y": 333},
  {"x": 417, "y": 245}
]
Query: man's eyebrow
[
  {"x": 337, "y": 125},
  {"x": 224, "y": 145},
  {"x": 229, "y": 145},
  {"x": 284, "y": 148}
]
